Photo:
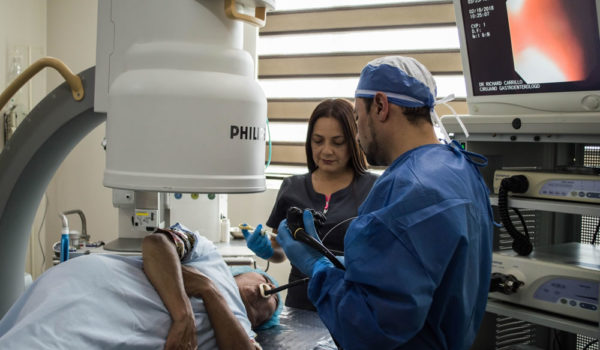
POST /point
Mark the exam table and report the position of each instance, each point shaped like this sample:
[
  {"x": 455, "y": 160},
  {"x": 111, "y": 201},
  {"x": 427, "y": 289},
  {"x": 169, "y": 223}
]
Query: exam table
[{"x": 299, "y": 330}]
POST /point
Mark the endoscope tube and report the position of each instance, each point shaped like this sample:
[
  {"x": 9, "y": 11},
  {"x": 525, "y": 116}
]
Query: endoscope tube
[{"x": 266, "y": 291}]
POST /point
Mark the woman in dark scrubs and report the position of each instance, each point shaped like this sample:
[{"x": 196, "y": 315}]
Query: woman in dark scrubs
[{"x": 336, "y": 185}]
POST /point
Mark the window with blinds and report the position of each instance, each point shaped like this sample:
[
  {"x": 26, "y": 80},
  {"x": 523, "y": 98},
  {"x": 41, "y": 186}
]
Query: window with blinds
[{"x": 311, "y": 50}]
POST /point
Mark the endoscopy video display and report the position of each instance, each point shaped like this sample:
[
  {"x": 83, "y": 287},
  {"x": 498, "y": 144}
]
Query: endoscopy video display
[{"x": 532, "y": 46}]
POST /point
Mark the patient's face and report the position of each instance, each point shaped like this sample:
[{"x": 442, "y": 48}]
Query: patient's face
[{"x": 259, "y": 309}]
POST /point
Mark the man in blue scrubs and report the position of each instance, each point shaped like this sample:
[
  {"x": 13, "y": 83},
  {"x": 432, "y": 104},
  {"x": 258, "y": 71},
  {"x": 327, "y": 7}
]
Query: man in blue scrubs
[{"x": 418, "y": 256}]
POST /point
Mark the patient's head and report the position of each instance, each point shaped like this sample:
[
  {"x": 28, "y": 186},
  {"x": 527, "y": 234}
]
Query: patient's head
[{"x": 261, "y": 311}]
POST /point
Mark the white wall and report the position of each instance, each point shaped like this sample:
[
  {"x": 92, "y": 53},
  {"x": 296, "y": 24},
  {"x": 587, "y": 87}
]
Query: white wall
[
  {"x": 23, "y": 26},
  {"x": 77, "y": 184}
]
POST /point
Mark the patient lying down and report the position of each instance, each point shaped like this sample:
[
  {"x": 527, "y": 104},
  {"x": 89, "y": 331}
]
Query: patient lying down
[{"x": 109, "y": 301}]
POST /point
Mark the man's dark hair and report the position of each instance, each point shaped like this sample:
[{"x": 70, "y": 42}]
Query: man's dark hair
[{"x": 413, "y": 114}]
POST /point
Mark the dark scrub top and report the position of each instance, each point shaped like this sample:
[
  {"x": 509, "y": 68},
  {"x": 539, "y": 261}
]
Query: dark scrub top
[{"x": 298, "y": 191}]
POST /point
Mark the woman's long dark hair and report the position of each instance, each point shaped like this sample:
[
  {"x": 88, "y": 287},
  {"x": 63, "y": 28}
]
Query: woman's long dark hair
[{"x": 343, "y": 111}]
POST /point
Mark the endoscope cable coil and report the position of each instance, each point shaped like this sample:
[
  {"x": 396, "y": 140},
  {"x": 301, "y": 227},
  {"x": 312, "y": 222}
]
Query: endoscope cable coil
[{"x": 518, "y": 184}]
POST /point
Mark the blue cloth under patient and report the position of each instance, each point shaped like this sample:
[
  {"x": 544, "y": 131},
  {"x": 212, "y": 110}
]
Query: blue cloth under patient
[{"x": 107, "y": 302}]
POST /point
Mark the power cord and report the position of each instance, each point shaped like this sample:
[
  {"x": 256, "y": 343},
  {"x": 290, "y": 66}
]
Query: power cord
[
  {"x": 587, "y": 346},
  {"x": 596, "y": 233},
  {"x": 336, "y": 225},
  {"x": 556, "y": 339},
  {"x": 517, "y": 184},
  {"x": 522, "y": 220},
  {"x": 40, "y": 230}
]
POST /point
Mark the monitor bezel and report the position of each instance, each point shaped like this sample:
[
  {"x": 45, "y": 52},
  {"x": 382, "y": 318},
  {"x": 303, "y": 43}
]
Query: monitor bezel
[{"x": 524, "y": 103}]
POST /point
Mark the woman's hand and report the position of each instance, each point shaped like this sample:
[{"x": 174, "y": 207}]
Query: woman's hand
[{"x": 258, "y": 242}]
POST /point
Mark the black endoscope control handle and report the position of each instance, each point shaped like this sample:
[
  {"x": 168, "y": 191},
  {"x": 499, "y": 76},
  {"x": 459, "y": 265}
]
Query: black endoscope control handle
[{"x": 296, "y": 226}]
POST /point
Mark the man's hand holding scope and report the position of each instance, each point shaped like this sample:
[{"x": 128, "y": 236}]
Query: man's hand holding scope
[{"x": 303, "y": 246}]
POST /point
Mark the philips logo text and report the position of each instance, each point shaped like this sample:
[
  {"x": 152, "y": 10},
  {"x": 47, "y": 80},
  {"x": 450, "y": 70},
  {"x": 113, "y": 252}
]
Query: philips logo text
[{"x": 246, "y": 133}]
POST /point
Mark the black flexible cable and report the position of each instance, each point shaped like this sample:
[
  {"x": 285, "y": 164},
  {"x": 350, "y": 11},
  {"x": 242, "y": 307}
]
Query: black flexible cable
[
  {"x": 301, "y": 235},
  {"x": 557, "y": 339},
  {"x": 596, "y": 233},
  {"x": 518, "y": 183},
  {"x": 286, "y": 286},
  {"x": 587, "y": 346},
  {"x": 518, "y": 212}
]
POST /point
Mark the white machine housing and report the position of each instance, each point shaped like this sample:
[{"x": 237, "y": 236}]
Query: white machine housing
[
  {"x": 562, "y": 279},
  {"x": 184, "y": 110},
  {"x": 526, "y": 124},
  {"x": 140, "y": 212},
  {"x": 548, "y": 185},
  {"x": 200, "y": 212}
]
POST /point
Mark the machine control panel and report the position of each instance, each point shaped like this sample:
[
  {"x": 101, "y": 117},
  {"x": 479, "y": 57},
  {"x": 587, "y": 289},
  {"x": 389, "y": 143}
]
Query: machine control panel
[
  {"x": 570, "y": 292},
  {"x": 577, "y": 189},
  {"x": 548, "y": 185},
  {"x": 145, "y": 219},
  {"x": 563, "y": 279}
]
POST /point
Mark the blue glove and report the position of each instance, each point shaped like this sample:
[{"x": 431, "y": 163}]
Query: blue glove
[
  {"x": 259, "y": 243},
  {"x": 299, "y": 253}
]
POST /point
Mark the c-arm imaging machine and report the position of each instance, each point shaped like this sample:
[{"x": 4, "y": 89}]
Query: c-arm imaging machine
[{"x": 174, "y": 84}]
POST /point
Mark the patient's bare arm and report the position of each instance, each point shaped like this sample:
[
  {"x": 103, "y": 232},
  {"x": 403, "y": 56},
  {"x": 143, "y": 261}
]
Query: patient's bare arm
[
  {"x": 228, "y": 331},
  {"x": 162, "y": 266}
]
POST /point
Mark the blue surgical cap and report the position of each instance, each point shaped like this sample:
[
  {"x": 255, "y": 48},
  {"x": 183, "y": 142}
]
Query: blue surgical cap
[
  {"x": 274, "y": 320},
  {"x": 404, "y": 80}
]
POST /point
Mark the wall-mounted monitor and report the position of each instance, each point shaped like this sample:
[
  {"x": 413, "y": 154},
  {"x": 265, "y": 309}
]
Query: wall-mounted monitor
[{"x": 530, "y": 56}]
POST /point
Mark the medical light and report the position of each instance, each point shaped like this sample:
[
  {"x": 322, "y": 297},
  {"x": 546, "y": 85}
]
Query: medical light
[{"x": 184, "y": 110}]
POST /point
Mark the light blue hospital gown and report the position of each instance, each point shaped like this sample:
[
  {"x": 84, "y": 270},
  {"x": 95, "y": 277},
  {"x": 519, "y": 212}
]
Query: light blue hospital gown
[
  {"x": 418, "y": 258},
  {"x": 107, "y": 302}
]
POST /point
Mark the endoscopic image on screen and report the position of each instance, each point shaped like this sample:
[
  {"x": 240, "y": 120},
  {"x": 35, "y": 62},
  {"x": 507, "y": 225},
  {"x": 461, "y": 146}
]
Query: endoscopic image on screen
[
  {"x": 531, "y": 46},
  {"x": 549, "y": 40}
]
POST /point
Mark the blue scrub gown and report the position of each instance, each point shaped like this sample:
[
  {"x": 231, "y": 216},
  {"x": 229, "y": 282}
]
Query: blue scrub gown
[{"x": 418, "y": 258}]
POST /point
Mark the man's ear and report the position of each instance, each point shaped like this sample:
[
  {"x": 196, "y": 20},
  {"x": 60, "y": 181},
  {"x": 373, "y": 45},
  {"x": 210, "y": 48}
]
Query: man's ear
[{"x": 381, "y": 106}]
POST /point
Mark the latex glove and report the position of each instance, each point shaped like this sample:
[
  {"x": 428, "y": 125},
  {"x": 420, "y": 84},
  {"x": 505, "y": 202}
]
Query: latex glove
[
  {"x": 259, "y": 243},
  {"x": 299, "y": 253}
]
